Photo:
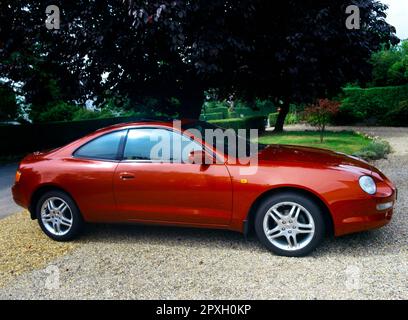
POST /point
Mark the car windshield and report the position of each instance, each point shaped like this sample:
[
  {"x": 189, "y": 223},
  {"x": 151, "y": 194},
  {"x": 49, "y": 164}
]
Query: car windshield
[{"x": 202, "y": 126}]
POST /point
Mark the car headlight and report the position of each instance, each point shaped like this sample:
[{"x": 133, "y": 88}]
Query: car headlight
[{"x": 368, "y": 184}]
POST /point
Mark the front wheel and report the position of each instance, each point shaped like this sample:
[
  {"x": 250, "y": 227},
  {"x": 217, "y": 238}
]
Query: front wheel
[
  {"x": 289, "y": 224},
  {"x": 58, "y": 216}
]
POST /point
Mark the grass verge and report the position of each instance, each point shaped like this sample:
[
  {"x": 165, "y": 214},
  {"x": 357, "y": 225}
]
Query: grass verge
[{"x": 348, "y": 142}]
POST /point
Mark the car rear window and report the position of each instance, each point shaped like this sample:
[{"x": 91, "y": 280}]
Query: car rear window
[{"x": 105, "y": 147}]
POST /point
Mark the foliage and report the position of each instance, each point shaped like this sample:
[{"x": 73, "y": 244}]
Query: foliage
[
  {"x": 291, "y": 118},
  {"x": 85, "y": 114},
  {"x": 398, "y": 116},
  {"x": 175, "y": 48},
  {"x": 212, "y": 116},
  {"x": 390, "y": 66},
  {"x": 238, "y": 108},
  {"x": 272, "y": 118},
  {"x": 25, "y": 138},
  {"x": 342, "y": 141},
  {"x": 61, "y": 111},
  {"x": 377, "y": 149},
  {"x": 379, "y": 105},
  {"x": 8, "y": 104},
  {"x": 255, "y": 122},
  {"x": 320, "y": 114},
  {"x": 215, "y": 106}
]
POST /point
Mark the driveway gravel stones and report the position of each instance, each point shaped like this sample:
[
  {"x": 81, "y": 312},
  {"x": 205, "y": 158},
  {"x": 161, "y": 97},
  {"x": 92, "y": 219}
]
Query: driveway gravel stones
[
  {"x": 143, "y": 262},
  {"x": 23, "y": 247}
]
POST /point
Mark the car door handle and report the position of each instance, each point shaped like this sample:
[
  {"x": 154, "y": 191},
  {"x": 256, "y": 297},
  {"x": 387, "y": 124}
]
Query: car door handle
[{"x": 126, "y": 176}]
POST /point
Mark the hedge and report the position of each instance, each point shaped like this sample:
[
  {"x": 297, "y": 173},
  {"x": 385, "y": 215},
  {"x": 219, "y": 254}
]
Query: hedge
[
  {"x": 212, "y": 116},
  {"x": 222, "y": 110},
  {"x": 376, "y": 105},
  {"x": 19, "y": 139},
  {"x": 255, "y": 122}
]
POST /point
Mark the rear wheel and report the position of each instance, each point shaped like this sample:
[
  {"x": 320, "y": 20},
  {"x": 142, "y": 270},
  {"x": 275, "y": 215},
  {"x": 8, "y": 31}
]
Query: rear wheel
[
  {"x": 290, "y": 224},
  {"x": 58, "y": 216}
]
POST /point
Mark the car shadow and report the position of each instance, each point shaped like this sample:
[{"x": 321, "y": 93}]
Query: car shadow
[
  {"x": 364, "y": 244},
  {"x": 168, "y": 236}
]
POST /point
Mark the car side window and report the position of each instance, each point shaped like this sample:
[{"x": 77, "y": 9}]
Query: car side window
[
  {"x": 105, "y": 147},
  {"x": 154, "y": 144}
]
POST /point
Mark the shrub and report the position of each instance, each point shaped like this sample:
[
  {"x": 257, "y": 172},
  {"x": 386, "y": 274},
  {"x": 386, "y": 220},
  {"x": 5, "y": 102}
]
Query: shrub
[
  {"x": 256, "y": 122},
  {"x": 85, "y": 114},
  {"x": 321, "y": 113},
  {"x": 215, "y": 106},
  {"x": 222, "y": 110},
  {"x": 398, "y": 116},
  {"x": 372, "y": 105},
  {"x": 272, "y": 118},
  {"x": 377, "y": 149},
  {"x": 292, "y": 118},
  {"x": 244, "y": 109},
  {"x": 61, "y": 111},
  {"x": 239, "y": 109},
  {"x": 212, "y": 116}
]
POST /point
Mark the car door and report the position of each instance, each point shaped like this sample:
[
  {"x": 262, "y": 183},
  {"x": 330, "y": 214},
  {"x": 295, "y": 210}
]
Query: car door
[
  {"x": 157, "y": 187},
  {"x": 88, "y": 175}
]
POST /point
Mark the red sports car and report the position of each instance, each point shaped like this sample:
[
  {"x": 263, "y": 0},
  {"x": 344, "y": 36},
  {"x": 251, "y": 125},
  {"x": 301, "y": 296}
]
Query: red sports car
[{"x": 294, "y": 198}]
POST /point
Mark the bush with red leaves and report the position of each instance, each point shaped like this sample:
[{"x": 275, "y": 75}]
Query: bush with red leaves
[{"x": 320, "y": 114}]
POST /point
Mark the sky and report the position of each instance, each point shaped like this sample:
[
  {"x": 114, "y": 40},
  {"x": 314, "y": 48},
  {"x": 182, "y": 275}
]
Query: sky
[{"x": 398, "y": 16}]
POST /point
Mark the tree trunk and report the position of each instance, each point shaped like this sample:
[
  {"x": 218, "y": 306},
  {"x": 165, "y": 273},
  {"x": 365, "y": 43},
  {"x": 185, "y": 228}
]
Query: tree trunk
[
  {"x": 280, "y": 121},
  {"x": 191, "y": 104},
  {"x": 322, "y": 133}
]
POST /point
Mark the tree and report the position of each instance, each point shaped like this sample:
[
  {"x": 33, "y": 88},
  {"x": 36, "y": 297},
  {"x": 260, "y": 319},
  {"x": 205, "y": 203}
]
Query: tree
[
  {"x": 390, "y": 66},
  {"x": 320, "y": 114},
  {"x": 290, "y": 51}
]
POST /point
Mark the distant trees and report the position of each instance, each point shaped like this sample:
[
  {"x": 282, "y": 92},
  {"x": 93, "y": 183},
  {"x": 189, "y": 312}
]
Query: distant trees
[{"x": 390, "y": 66}]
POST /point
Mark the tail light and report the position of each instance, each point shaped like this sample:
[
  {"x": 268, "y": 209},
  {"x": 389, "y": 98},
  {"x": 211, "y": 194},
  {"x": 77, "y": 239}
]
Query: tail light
[{"x": 18, "y": 175}]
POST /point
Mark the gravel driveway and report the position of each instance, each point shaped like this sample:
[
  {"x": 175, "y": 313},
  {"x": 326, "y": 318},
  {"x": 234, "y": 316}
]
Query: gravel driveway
[{"x": 139, "y": 262}]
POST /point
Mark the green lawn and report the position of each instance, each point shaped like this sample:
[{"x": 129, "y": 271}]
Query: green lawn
[{"x": 344, "y": 141}]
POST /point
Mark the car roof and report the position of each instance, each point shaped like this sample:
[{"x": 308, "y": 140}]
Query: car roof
[{"x": 168, "y": 122}]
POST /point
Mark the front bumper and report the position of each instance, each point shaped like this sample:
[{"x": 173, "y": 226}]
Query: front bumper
[{"x": 365, "y": 215}]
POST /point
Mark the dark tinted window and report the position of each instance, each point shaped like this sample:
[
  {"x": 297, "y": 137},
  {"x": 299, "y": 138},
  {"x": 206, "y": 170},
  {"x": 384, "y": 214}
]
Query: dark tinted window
[
  {"x": 158, "y": 145},
  {"x": 104, "y": 147}
]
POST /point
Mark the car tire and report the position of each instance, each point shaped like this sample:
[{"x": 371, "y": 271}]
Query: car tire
[
  {"x": 290, "y": 224},
  {"x": 59, "y": 216}
]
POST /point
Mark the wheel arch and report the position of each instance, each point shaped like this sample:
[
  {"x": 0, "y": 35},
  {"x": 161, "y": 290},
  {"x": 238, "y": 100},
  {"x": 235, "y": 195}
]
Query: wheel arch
[
  {"x": 39, "y": 192},
  {"x": 328, "y": 218}
]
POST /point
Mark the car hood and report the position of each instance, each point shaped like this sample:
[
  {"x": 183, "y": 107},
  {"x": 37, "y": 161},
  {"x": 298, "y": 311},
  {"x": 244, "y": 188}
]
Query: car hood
[{"x": 322, "y": 157}]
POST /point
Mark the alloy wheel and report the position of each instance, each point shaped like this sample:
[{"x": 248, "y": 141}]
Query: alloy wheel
[
  {"x": 289, "y": 226},
  {"x": 56, "y": 216}
]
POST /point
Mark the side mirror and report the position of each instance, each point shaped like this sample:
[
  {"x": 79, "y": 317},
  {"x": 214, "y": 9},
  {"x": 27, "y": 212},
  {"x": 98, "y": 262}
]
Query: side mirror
[{"x": 200, "y": 157}]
